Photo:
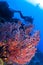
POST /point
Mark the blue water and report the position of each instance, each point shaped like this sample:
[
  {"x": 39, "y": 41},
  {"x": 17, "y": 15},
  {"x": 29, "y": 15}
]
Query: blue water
[{"x": 30, "y": 10}]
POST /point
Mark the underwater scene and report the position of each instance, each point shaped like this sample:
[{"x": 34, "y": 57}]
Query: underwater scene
[{"x": 21, "y": 32}]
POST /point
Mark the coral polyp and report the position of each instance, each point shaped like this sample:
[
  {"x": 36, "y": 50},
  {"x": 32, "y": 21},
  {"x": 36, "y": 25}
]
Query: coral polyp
[{"x": 17, "y": 41}]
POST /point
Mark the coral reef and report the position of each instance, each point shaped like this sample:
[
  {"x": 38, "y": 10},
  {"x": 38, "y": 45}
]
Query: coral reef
[{"x": 17, "y": 41}]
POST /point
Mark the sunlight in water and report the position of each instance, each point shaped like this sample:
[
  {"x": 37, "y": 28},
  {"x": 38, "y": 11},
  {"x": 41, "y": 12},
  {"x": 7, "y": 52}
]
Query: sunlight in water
[{"x": 36, "y": 2}]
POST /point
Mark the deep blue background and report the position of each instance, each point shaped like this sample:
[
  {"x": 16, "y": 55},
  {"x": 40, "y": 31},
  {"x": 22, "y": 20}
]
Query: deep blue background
[{"x": 30, "y": 10}]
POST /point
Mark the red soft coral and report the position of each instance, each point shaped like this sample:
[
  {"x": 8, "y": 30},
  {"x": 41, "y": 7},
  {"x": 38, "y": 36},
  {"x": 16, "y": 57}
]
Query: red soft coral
[{"x": 20, "y": 46}]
